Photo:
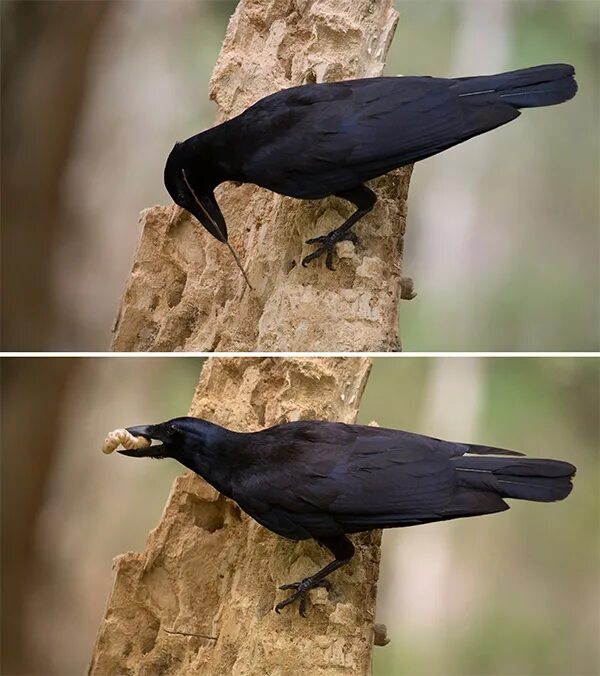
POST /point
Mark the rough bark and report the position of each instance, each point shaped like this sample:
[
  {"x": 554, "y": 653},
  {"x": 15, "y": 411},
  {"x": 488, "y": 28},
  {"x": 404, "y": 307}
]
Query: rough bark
[
  {"x": 185, "y": 293},
  {"x": 200, "y": 598}
]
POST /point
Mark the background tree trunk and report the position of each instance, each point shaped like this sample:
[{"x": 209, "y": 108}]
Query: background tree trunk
[
  {"x": 33, "y": 397},
  {"x": 200, "y": 598},
  {"x": 185, "y": 293},
  {"x": 42, "y": 93},
  {"x": 42, "y": 89}
]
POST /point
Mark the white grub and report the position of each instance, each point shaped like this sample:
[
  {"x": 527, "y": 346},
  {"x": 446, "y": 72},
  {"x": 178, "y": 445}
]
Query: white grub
[{"x": 124, "y": 438}]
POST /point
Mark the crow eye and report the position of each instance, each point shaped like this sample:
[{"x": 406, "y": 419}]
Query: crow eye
[{"x": 171, "y": 429}]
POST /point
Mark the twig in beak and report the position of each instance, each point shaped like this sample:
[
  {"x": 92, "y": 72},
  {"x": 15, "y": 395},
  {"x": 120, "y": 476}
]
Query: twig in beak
[
  {"x": 237, "y": 260},
  {"x": 217, "y": 228}
]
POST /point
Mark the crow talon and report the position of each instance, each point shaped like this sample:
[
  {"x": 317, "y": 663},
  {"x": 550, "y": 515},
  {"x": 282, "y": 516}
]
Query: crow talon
[
  {"x": 311, "y": 257},
  {"x": 298, "y": 594},
  {"x": 328, "y": 243},
  {"x": 317, "y": 240},
  {"x": 326, "y": 249},
  {"x": 301, "y": 593}
]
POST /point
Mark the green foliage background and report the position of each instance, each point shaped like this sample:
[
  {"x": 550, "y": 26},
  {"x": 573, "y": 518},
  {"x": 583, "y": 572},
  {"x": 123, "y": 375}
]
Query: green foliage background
[{"x": 529, "y": 576}]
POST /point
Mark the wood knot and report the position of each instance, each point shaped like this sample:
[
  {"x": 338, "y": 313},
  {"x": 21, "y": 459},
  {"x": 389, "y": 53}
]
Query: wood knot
[
  {"x": 380, "y": 636},
  {"x": 408, "y": 288}
]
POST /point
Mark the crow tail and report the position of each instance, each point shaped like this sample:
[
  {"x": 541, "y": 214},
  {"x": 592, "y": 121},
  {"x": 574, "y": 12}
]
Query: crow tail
[
  {"x": 526, "y": 88},
  {"x": 534, "y": 479}
]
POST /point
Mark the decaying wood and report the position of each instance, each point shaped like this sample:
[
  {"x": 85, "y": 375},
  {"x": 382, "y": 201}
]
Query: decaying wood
[
  {"x": 185, "y": 292},
  {"x": 200, "y": 598}
]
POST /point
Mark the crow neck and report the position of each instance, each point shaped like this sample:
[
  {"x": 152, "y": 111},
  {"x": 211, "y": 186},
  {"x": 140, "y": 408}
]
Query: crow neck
[
  {"x": 216, "y": 458},
  {"x": 212, "y": 154}
]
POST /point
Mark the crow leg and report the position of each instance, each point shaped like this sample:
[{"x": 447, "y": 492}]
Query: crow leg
[
  {"x": 342, "y": 549},
  {"x": 364, "y": 199}
]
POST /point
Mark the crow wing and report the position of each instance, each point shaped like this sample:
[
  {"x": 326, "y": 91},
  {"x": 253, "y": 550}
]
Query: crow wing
[
  {"x": 321, "y": 139},
  {"x": 325, "y": 479}
]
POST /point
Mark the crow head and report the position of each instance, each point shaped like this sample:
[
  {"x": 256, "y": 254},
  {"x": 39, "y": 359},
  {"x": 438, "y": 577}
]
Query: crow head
[
  {"x": 181, "y": 438},
  {"x": 189, "y": 191}
]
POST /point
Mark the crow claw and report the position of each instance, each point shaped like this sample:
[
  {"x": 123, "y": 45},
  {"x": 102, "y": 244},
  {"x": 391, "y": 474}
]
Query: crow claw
[
  {"x": 301, "y": 593},
  {"x": 328, "y": 244},
  {"x": 322, "y": 239}
]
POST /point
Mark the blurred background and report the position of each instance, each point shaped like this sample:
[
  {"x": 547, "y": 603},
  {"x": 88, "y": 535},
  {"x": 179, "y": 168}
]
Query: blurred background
[
  {"x": 503, "y": 233},
  {"x": 503, "y": 595}
]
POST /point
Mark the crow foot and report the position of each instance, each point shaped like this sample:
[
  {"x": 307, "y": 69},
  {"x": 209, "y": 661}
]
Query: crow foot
[
  {"x": 329, "y": 242},
  {"x": 302, "y": 588}
]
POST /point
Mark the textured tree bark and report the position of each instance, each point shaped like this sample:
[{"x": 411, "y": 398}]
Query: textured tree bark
[
  {"x": 185, "y": 293},
  {"x": 200, "y": 598}
]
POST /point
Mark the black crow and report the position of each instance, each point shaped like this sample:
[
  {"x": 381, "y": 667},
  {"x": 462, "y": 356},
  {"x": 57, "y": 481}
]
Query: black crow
[
  {"x": 325, "y": 139},
  {"x": 323, "y": 480}
]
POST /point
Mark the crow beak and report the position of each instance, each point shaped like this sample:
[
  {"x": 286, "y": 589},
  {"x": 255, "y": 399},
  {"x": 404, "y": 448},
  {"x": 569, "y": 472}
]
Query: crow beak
[
  {"x": 207, "y": 211},
  {"x": 148, "y": 452},
  {"x": 209, "y": 214}
]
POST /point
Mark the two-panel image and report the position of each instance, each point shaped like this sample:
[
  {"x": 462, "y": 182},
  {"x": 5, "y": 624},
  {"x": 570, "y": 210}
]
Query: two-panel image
[{"x": 334, "y": 268}]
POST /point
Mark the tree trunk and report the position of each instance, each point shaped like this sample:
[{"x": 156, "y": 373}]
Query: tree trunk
[
  {"x": 46, "y": 49},
  {"x": 200, "y": 598},
  {"x": 34, "y": 392},
  {"x": 185, "y": 293}
]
